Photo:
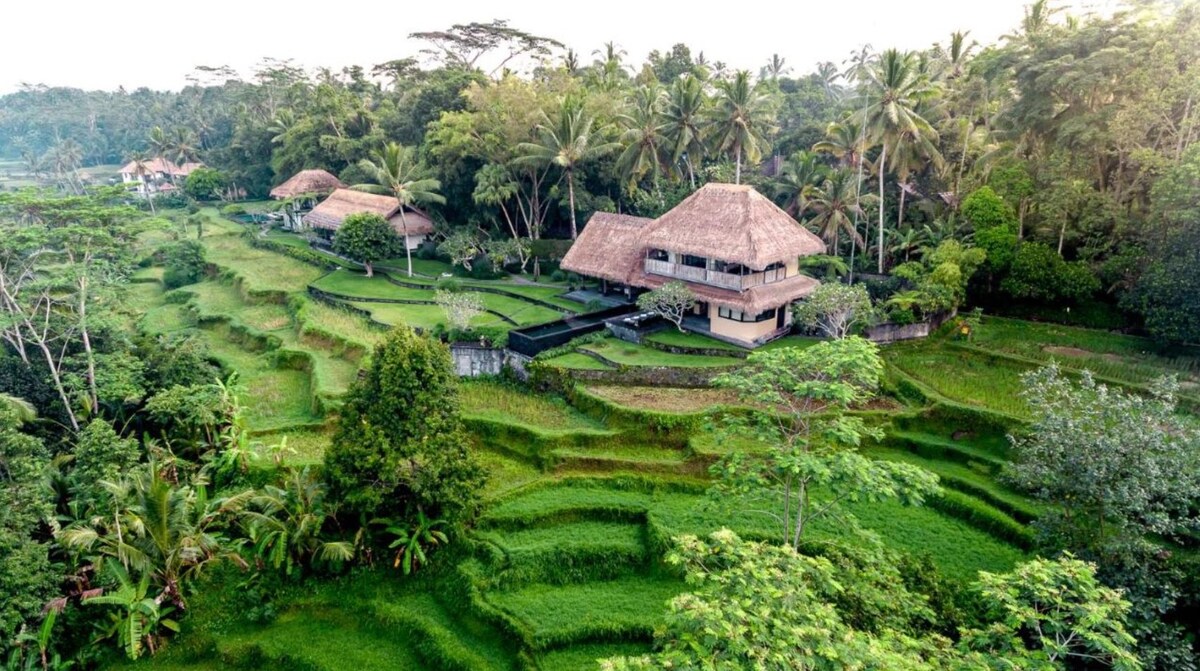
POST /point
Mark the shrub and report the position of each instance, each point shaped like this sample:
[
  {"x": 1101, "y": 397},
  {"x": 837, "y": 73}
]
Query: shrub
[
  {"x": 366, "y": 238},
  {"x": 233, "y": 210},
  {"x": 204, "y": 183},
  {"x": 558, "y": 276},
  {"x": 449, "y": 284},
  {"x": 184, "y": 263},
  {"x": 399, "y": 444},
  {"x": 1039, "y": 273}
]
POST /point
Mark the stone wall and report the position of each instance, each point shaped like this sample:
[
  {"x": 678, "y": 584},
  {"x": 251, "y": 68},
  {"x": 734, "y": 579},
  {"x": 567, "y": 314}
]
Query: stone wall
[
  {"x": 472, "y": 360},
  {"x": 887, "y": 332}
]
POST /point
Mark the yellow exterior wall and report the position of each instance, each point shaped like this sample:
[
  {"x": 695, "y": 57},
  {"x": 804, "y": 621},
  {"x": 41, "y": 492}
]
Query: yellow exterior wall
[
  {"x": 744, "y": 331},
  {"x": 793, "y": 267}
]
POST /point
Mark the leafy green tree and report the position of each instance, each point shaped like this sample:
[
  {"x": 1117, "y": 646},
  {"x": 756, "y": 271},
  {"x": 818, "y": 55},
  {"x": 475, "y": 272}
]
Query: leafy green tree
[
  {"x": 1054, "y": 612},
  {"x": 984, "y": 210},
  {"x": 396, "y": 172},
  {"x": 741, "y": 116},
  {"x": 672, "y": 301},
  {"x": 568, "y": 141},
  {"x": 27, "y": 578},
  {"x": 1040, "y": 274},
  {"x": 765, "y": 606},
  {"x": 1114, "y": 465},
  {"x": 100, "y": 455},
  {"x": 366, "y": 238},
  {"x": 802, "y": 396},
  {"x": 204, "y": 184},
  {"x": 835, "y": 308},
  {"x": 183, "y": 263},
  {"x": 399, "y": 443}
]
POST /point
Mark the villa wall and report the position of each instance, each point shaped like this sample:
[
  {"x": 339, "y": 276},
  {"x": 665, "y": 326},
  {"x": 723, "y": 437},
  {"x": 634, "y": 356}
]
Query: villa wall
[{"x": 744, "y": 331}]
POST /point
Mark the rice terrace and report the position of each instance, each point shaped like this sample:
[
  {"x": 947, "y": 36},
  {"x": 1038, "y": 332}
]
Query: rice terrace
[{"x": 521, "y": 353}]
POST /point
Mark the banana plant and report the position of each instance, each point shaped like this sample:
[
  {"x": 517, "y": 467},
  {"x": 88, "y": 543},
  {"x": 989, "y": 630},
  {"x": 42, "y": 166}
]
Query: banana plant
[
  {"x": 411, "y": 544},
  {"x": 137, "y": 618}
]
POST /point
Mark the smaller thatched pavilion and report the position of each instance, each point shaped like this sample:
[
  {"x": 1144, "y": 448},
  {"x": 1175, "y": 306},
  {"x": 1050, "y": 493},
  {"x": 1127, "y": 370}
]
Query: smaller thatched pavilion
[
  {"x": 735, "y": 249},
  {"x": 329, "y": 214},
  {"x": 302, "y": 191}
]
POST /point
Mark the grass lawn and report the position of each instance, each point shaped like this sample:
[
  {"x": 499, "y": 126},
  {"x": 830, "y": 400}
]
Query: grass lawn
[
  {"x": 963, "y": 376},
  {"x": 1117, "y": 356},
  {"x": 675, "y": 338},
  {"x": 260, "y": 270},
  {"x": 664, "y": 399},
  {"x": 577, "y": 361},
  {"x": 424, "y": 317},
  {"x": 790, "y": 341},
  {"x": 275, "y": 398},
  {"x": 509, "y": 404},
  {"x": 629, "y": 354},
  {"x": 318, "y": 320}
]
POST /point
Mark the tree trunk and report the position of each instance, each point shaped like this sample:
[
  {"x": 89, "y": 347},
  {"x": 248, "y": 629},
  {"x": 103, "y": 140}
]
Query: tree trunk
[
  {"x": 882, "y": 163},
  {"x": 571, "y": 200},
  {"x": 737, "y": 170},
  {"x": 1062, "y": 235},
  {"x": 370, "y": 270},
  {"x": 900, "y": 214},
  {"x": 407, "y": 251},
  {"x": 93, "y": 393},
  {"x": 687, "y": 160}
]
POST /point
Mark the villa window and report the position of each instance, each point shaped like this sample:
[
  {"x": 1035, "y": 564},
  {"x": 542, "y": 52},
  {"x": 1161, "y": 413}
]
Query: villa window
[
  {"x": 658, "y": 255},
  {"x": 694, "y": 261},
  {"x": 739, "y": 316}
]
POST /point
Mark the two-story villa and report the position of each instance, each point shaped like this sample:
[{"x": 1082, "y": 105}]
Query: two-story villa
[{"x": 734, "y": 248}]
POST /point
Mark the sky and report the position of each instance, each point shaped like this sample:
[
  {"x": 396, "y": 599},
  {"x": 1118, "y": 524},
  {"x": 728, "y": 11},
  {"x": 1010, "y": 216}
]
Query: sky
[{"x": 104, "y": 45}]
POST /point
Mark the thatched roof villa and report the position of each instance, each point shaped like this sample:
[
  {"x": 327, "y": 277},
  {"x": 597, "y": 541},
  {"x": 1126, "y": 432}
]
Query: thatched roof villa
[
  {"x": 318, "y": 182},
  {"x": 329, "y": 214},
  {"x": 303, "y": 189},
  {"x": 733, "y": 247}
]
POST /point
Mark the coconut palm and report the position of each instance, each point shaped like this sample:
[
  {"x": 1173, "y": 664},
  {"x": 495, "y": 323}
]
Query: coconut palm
[
  {"x": 161, "y": 148},
  {"x": 683, "y": 123},
  {"x": 800, "y": 176},
  {"x": 395, "y": 172},
  {"x": 775, "y": 68},
  {"x": 740, "y": 118},
  {"x": 845, "y": 141},
  {"x": 183, "y": 146},
  {"x": 567, "y": 141},
  {"x": 164, "y": 530},
  {"x": 897, "y": 90},
  {"x": 643, "y": 137},
  {"x": 910, "y": 151},
  {"x": 828, "y": 73},
  {"x": 837, "y": 207},
  {"x": 907, "y": 240}
]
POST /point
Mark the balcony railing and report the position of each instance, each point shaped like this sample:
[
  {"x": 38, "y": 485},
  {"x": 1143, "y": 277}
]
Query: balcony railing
[{"x": 714, "y": 278}]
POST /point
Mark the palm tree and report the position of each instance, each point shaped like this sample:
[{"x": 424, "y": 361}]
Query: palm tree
[
  {"x": 183, "y": 146},
  {"x": 160, "y": 148},
  {"x": 837, "y": 207},
  {"x": 775, "y": 68},
  {"x": 22, "y": 410},
  {"x": 828, "y": 73},
  {"x": 845, "y": 141},
  {"x": 897, "y": 91},
  {"x": 643, "y": 137},
  {"x": 568, "y": 142},
  {"x": 907, "y": 240},
  {"x": 739, "y": 122},
  {"x": 684, "y": 123},
  {"x": 395, "y": 172},
  {"x": 495, "y": 186},
  {"x": 800, "y": 176},
  {"x": 163, "y": 530},
  {"x": 910, "y": 151}
]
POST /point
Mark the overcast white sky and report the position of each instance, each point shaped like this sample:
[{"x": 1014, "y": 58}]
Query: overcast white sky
[{"x": 96, "y": 44}]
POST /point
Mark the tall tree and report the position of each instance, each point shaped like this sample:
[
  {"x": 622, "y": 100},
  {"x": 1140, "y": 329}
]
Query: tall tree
[
  {"x": 684, "y": 123},
  {"x": 567, "y": 141},
  {"x": 395, "y": 171},
  {"x": 643, "y": 137},
  {"x": 741, "y": 117},
  {"x": 897, "y": 88},
  {"x": 837, "y": 207}
]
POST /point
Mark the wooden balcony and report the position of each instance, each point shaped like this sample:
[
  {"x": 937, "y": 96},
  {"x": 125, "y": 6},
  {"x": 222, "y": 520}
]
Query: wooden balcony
[{"x": 714, "y": 278}]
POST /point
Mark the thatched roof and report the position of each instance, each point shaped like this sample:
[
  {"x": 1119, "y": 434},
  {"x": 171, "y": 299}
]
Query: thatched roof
[
  {"x": 732, "y": 223},
  {"x": 331, "y": 212},
  {"x": 753, "y": 300},
  {"x": 162, "y": 165},
  {"x": 609, "y": 247},
  {"x": 307, "y": 181}
]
